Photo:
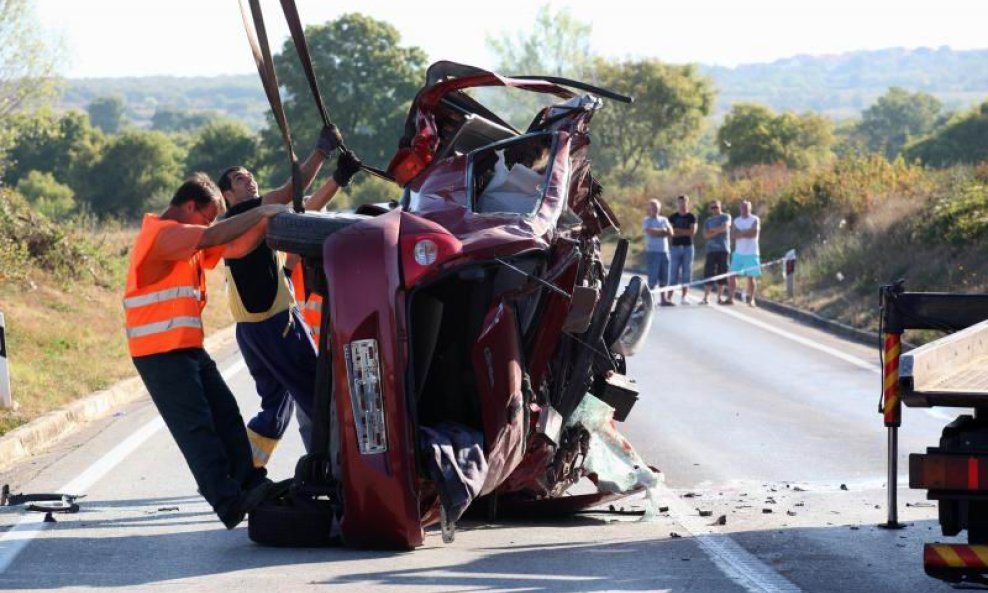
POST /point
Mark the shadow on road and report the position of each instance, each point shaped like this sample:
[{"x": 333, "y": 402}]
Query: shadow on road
[{"x": 509, "y": 556}]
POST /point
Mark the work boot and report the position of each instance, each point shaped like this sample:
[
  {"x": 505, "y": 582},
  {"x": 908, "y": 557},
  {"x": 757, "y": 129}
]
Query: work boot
[
  {"x": 247, "y": 502},
  {"x": 261, "y": 447}
]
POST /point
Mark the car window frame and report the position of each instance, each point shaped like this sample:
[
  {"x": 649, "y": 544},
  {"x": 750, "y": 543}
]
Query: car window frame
[{"x": 471, "y": 157}]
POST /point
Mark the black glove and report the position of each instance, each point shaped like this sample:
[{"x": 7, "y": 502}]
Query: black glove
[
  {"x": 329, "y": 140},
  {"x": 347, "y": 165}
]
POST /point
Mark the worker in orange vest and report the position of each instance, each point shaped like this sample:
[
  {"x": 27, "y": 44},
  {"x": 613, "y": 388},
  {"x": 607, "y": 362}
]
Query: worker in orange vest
[
  {"x": 273, "y": 338},
  {"x": 163, "y": 301},
  {"x": 309, "y": 304}
]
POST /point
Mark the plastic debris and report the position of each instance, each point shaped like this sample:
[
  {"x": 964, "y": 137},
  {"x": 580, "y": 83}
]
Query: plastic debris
[
  {"x": 722, "y": 520},
  {"x": 705, "y": 513},
  {"x": 843, "y": 486},
  {"x": 674, "y": 535},
  {"x": 766, "y": 511},
  {"x": 618, "y": 466},
  {"x": 167, "y": 509}
]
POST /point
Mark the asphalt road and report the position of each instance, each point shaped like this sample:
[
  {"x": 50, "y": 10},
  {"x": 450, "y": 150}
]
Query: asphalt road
[{"x": 743, "y": 411}]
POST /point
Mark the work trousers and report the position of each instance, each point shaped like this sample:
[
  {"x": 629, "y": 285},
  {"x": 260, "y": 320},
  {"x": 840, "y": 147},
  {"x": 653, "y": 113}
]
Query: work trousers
[
  {"x": 202, "y": 416},
  {"x": 281, "y": 357}
]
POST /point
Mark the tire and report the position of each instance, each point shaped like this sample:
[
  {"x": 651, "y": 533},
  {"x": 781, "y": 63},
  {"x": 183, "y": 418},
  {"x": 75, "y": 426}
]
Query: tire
[
  {"x": 304, "y": 233},
  {"x": 284, "y": 525},
  {"x": 618, "y": 322}
]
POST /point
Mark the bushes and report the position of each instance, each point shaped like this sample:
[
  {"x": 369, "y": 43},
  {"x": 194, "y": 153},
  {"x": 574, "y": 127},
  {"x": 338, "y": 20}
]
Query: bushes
[
  {"x": 29, "y": 240},
  {"x": 961, "y": 217}
]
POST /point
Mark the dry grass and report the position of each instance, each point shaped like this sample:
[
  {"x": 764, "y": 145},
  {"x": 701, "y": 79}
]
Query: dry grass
[{"x": 65, "y": 338}]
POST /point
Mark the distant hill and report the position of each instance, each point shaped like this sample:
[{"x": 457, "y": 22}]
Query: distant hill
[
  {"x": 839, "y": 85},
  {"x": 843, "y": 85},
  {"x": 237, "y": 96}
]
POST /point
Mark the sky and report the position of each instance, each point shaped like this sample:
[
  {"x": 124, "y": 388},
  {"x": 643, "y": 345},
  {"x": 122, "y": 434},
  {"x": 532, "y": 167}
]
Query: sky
[{"x": 108, "y": 38}]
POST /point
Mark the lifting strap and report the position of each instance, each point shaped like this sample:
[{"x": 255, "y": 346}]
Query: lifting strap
[
  {"x": 265, "y": 68},
  {"x": 305, "y": 58},
  {"x": 258, "y": 39}
]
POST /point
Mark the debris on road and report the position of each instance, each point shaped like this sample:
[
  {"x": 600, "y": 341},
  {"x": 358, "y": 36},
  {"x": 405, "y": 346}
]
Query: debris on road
[
  {"x": 918, "y": 504},
  {"x": 167, "y": 509},
  {"x": 843, "y": 486},
  {"x": 705, "y": 513},
  {"x": 766, "y": 511},
  {"x": 791, "y": 513},
  {"x": 674, "y": 535},
  {"x": 721, "y": 520}
]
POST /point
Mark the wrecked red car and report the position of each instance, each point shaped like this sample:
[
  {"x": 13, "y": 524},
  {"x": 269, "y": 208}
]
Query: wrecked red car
[{"x": 464, "y": 325}]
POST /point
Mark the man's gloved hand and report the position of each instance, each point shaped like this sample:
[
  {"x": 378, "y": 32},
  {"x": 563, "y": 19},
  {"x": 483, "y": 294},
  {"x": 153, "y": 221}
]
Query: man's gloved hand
[
  {"x": 329, "y": 140},
  {"x": 347, "y": 165}
]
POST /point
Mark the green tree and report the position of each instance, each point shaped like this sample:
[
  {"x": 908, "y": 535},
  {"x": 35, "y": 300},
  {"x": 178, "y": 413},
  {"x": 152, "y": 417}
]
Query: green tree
[
  {"x": 964, "y": 139},
  {"x": 221, "y": 144},
  {"x": 557, "y": 44},
  {"x": 753, "y": 134},
  {"x": 897, "y": 117},
  {"x": 137, "y": 171},
  {"x": 367, "y": 79},
  {"x": 46, "y": 195},
  {"x": 106, "y": 113},
  {"x": 65, "y": 146},
  {"x": 168, "y": 119},
  {"x": 27, "y": 61},
  {"x": 670, "y": 105}
]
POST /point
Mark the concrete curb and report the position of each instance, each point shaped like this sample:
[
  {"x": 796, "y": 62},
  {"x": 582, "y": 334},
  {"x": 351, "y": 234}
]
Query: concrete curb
[{"x": 45, "y": 431}]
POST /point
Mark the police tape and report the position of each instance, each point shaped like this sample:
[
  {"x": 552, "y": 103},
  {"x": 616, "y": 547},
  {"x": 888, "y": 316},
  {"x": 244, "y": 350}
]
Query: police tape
[{"x": 789, "y": 256}]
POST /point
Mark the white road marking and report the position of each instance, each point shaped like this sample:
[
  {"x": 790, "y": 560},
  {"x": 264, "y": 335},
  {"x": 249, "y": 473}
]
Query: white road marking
[
  {"x": 14, "y": 540},
  {"x": 939, "y": 415},
  {"x": 738, "y": 564},
  {"x": 799, "y": 339}
]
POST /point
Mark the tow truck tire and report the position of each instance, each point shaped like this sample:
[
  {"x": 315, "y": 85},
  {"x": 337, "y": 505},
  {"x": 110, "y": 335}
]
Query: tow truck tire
[
  {"x": 281, "y": 524},
  {"x": 304, "y": 233}
]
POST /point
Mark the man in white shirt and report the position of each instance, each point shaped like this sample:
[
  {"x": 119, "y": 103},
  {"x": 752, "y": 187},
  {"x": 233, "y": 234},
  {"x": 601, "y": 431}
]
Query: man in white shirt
[
  {"x": 745, "y": 261},
  {"x": 657, "y": 232}
]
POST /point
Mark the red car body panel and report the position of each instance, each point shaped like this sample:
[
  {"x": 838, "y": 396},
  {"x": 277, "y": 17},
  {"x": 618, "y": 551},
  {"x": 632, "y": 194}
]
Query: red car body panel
[{"x": 371, "y": 274}]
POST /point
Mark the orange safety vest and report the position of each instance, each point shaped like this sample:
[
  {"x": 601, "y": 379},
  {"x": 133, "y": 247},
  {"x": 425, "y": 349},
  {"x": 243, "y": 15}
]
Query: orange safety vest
[
  {"x": 312, "y": 307},
  {"x": 165, "y": 315}
]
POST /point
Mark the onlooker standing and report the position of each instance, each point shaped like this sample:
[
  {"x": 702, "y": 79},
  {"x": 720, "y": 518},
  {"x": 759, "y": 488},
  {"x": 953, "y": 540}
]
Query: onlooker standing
[
  {"x": 746, "y": 260},
  {"x": 657, "y": 232},
  {"x": 681, "y": 254},
  {"x": 717, "y": 232}
]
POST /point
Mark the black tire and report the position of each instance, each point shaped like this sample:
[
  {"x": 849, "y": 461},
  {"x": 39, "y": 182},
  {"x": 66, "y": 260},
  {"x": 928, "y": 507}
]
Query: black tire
[
  {"x": 282, "y": 524},
  {"x": 621, "y": 315},
  {"x": 304, "y": 233}
]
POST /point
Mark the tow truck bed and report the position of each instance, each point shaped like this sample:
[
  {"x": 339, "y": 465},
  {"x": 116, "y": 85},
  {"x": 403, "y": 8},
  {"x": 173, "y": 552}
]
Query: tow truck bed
[{"x": 951, "y": 371}]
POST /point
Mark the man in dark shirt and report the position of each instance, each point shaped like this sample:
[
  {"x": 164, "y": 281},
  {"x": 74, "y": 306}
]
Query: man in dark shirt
[
  {"x": 681, "y": 251},
  {"x": 272, "y": 336}
]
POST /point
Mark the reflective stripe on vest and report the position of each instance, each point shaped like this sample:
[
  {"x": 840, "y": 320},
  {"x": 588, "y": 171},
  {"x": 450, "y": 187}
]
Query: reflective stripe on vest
[
  {"x": 162, "y": 326},
  {"x": 164, "y": 314},
  {"x": 161, "y": 296}
]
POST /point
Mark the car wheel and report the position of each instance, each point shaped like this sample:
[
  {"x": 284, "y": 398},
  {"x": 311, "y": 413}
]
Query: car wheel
[
  {"x": 304, "y": 233},
  {"x": 285, "y": 525}
]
